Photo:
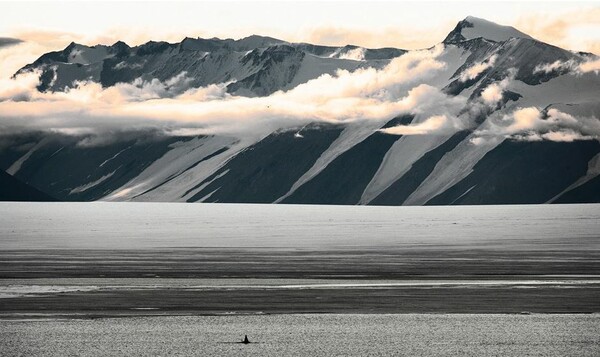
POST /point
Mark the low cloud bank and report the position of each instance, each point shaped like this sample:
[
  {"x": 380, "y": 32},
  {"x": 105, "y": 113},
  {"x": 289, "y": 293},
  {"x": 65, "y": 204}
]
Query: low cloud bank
[
  {"x": 174, "y": 107},
  {"x": 365, "y": 94},
  {"x": 456, "y": 118},
  {"x": 534, "y": 124}
]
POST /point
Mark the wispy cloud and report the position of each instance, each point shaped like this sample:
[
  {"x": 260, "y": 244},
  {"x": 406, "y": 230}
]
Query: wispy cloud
[
  {"x": 399, "y": 37},
  {"x": 477, "y": 68},
  {"x": 555, "y": 66},
  {"x": 9, "y": 41},
  {"x": 432, "y": 125},
  {"x": 591, "y": 65}
]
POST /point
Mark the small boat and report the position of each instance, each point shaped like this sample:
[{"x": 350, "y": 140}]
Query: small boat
[{"x": 246, "y": 341}]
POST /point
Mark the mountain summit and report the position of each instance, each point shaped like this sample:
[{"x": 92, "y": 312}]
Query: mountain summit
[
  {"x": 255, "y": 65},
  {"x": 473, "y": 27}
]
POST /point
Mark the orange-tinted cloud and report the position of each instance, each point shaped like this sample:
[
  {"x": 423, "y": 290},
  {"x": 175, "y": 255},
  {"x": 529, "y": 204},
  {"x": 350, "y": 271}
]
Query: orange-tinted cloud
[
  {"x": 365, "y": 94},
  {"x": 399, "y": 37},
  {"x": 533, "y": 124},
  {"x": 559, "y": 30},
  {"x": 404, "y": 38}
]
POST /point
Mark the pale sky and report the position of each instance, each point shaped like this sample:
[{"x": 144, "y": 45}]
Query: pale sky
[{"x": 404, "y": 24}]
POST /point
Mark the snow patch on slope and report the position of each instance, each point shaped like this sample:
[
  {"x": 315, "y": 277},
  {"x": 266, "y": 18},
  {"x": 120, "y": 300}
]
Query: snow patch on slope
[
  {"x": 16, "y": 166},
  {"x": 568, "y": 88},
  {"x": 313, "y": 67},
  {"x": 114, "y": 156},
  {"x": 592, "y": 172},
  {"x": 173, "y": 163},
  {"x": 87, "y": 186},
  {"x": 453, "y": 57},
  {"x": 86, "y": 55},
  {"x": 398, "y": 160},
  {"x": 452, "y": 168},
  {"x": 349, "y": 137},
  {"x": 208, "y": 183},
  {"x": 184, "y": 186}
]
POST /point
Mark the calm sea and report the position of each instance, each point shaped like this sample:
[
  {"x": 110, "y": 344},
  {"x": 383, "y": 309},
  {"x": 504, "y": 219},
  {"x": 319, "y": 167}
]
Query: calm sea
[
  {"x": 307, "y": 335},
  {"x": 129, "y": 226}
]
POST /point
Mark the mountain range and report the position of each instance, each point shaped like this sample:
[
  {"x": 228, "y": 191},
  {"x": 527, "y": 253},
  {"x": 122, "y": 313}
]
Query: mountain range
[{"x": 532, "y": 136}]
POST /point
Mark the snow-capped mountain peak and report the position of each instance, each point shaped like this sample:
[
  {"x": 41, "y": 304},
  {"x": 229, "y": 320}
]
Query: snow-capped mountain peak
[{"x": 473, "y": 27}]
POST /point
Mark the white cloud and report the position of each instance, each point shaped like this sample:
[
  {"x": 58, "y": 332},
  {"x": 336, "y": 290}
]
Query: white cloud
[
  {"x": 566, "y": 135},
  {"x": 524, "y": 119},
  {"x": 357, "y": 54},
  {"x": 473, "y": 71},
  {"x": 477, "y": 140},
  {"x": 20, "y": 88},
  {"x": 430, "y": 126},
  {"x": 533, "y": 124},
  {"x": 591, "y": 65},
  {"x": 492, "y": 94},
  {"x": 554, "y": 66},
  {"x": 15, "y": 57}
]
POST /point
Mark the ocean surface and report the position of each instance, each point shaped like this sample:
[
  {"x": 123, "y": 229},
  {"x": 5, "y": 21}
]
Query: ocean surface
[
  {"x": 143, "y": 279},
  {"x": 307, "y": 335}
]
